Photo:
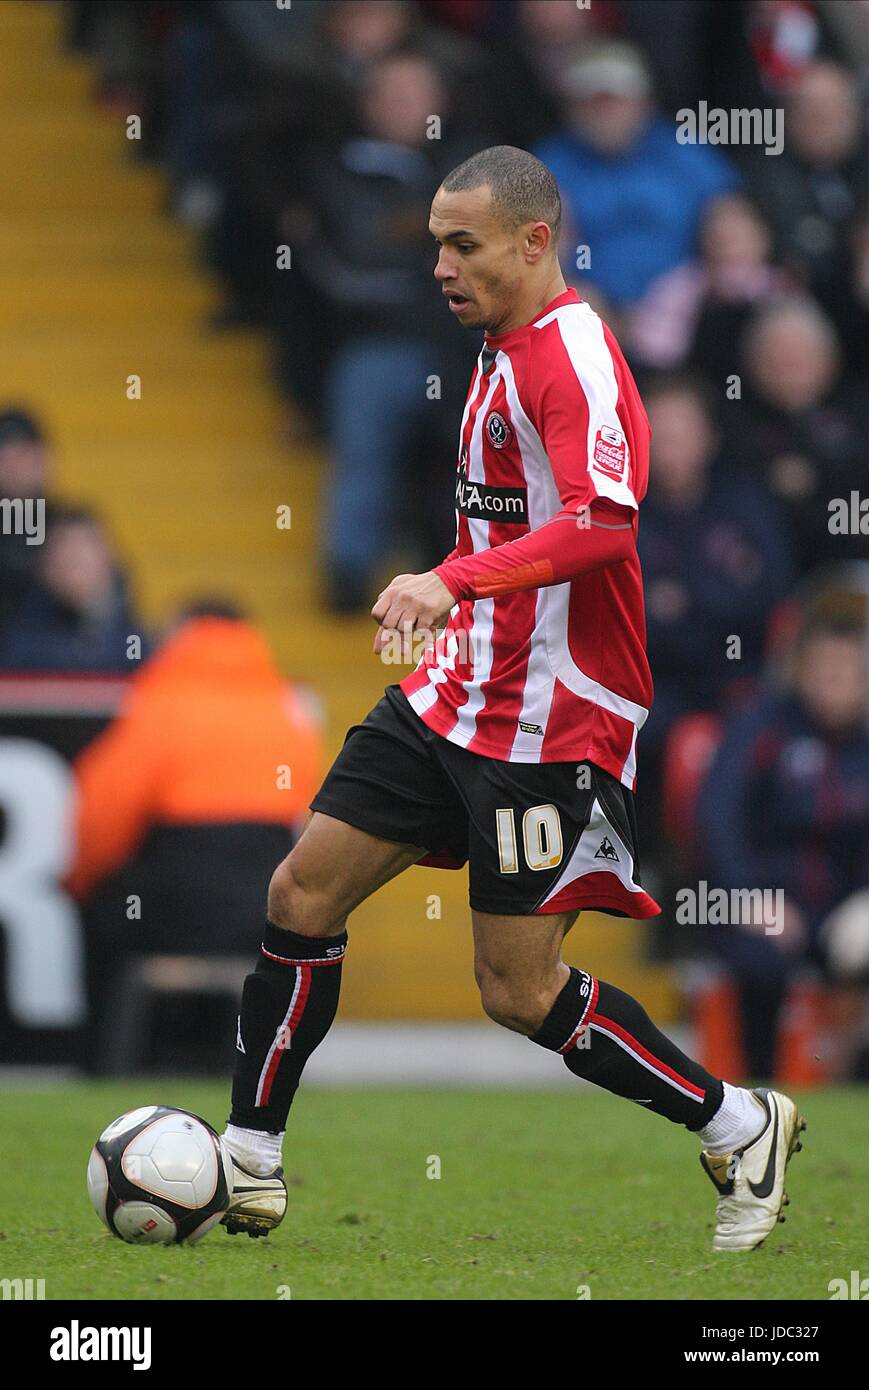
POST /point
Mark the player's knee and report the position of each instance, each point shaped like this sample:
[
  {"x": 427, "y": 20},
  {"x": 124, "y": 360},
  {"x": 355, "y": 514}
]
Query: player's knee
[
  {"x": 282, "y": 895},
  {"x": 515, "y": 1004},
  {"x": 295, "y": 907}
]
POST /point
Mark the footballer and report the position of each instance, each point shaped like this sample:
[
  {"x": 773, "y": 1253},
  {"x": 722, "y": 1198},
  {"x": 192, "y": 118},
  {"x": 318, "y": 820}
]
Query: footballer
[{"x": 512, "y": 746}]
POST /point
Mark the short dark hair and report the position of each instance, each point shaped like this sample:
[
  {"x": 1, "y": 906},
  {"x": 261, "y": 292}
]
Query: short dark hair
[
  {"x": 523, "y": 189},
  {"x": 834, "y": 613},
  {"x": 211, "y": 606},
  {"x": 19, "y": 426}
]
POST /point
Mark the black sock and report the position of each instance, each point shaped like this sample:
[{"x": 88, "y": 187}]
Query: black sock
[
  {"x": 607, "y": 1037},
  {"x": 287, "y": 1008}
]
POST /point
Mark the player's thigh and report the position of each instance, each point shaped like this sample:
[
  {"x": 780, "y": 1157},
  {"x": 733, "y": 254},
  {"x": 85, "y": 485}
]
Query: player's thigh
[{"x": 332, "y": 868}]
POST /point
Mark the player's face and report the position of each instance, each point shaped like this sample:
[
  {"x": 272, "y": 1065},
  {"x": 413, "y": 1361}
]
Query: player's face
[{"x": 480, "y": 265}]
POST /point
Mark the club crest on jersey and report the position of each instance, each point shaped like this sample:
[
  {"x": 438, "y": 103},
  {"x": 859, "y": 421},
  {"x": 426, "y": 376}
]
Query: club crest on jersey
[
  {"x": 610, "y": 455},
  {"x": 498, "y": 431}
]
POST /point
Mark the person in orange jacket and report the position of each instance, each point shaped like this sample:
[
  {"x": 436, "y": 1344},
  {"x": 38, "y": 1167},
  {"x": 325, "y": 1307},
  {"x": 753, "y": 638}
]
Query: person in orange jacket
[
  {"x": 187, "y": 800},
  {"x": 210, "y": 735}
]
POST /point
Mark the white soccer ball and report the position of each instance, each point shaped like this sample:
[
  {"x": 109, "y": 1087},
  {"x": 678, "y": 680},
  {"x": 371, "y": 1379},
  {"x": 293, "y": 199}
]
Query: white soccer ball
[{"x": 159, "y": 1176}]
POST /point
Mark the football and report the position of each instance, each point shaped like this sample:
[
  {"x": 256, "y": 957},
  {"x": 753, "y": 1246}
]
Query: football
[{"x": 159, "y": 1176}]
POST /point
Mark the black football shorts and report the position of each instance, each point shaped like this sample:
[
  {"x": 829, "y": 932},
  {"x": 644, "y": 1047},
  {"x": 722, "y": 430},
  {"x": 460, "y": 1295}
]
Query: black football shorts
[{"x": 537, "y": 837}]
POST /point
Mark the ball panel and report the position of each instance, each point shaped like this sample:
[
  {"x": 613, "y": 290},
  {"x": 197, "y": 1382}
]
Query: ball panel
[
  {"x": 174, "y": 1158},
  {"x": 141, "y": 1223},
  {"x": 202, "y": 1229},
  {"x": 124, "y": 1123},
  {"x": 98, "y": 1184}
]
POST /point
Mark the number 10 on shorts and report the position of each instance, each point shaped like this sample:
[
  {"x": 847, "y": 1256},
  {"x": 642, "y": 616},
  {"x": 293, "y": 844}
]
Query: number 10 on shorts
[{"x": 541, "y": 838}]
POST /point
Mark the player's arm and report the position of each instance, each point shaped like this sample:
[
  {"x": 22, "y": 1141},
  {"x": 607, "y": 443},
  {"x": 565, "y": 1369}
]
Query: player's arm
[
  {"x": 573, "y": 542},
  {"x": 596, "y": 525},
  {"x": 413, "y": 602},
  {"x": 570, "y": 543}
]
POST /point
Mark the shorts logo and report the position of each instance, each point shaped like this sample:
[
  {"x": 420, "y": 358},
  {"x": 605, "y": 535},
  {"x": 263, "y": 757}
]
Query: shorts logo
[
  {"x": 606, "y": 850},
  {"x": 610, "y": 453},
  {"x": 498, "y": 431}
]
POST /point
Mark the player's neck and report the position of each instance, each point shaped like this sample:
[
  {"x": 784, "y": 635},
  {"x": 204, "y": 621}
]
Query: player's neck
[{"x": 529, "y": 308}]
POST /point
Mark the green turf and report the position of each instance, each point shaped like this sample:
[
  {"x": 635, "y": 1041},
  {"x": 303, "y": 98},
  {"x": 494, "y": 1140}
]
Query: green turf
[{"x": 539, "y": 1194}]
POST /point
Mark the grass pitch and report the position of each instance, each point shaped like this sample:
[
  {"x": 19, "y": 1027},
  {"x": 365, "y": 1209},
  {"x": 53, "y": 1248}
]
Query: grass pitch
[{"x": 539, "y": 1195}]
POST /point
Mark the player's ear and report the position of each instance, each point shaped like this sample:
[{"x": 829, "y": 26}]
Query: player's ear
[{"x": 538, "y": 240}]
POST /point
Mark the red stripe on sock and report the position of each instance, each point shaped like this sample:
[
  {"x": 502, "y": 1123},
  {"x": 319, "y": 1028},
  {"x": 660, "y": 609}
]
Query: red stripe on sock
[
  {"x": 580, "y": 1027},
  {"x": 644, "y": 1052},
  {"x": 289, "y": 1029}
]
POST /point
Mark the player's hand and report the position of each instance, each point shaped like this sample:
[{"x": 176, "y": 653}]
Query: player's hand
[{"x": 409, "y": 603}]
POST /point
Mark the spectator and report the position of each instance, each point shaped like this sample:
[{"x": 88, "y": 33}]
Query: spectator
[
  {"x": 375, "y": 272},
  {"x": 303, "y": 103},
  {"x": 673, "y": 36},
  {"x": 530, "y": 64},
  {"x": 786, "y": 807},
  {"x": 76, "y": 615},
  {"x": 300, "y": 98},
  {"x": 697, "y": 311},
  {"x": 846, "y": 297},
  {"x": 800, "y": 427},
  {"x": 757, "y": 49},
  {"x": 25, "y": 466},
  {"x": 634, "y": 195},
  {"x": 715, "y": 561},
  {"x": 811, "y": 191},
  {"x": 191, "y": 796}
]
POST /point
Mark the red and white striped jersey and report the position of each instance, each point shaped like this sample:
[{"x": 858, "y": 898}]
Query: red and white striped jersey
[{"x": 543, "y": 656}]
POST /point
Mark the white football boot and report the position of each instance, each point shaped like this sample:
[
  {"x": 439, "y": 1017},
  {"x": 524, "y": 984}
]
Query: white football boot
[
  {"x": 257, "y": 1203},
  {"x": 751, "y": 1180}
]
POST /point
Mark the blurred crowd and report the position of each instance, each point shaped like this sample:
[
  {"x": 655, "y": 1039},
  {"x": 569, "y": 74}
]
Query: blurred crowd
[
  {"x": 324, "y": 129},
  {"x": 64, "y": 598},
  {"x": 304, "y": 145}
]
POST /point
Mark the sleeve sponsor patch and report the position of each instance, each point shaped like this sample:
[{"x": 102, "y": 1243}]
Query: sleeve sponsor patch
[{"x": 610, "y": 454}]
